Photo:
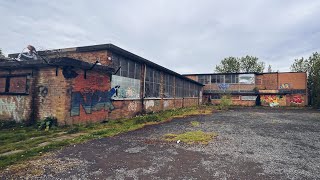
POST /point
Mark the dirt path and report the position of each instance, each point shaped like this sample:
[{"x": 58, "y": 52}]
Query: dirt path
[{"x": 252, "y": 143}]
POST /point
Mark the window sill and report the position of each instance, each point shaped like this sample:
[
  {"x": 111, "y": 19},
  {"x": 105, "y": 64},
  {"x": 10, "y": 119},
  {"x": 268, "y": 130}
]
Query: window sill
[{"x": 18, "y": 94}]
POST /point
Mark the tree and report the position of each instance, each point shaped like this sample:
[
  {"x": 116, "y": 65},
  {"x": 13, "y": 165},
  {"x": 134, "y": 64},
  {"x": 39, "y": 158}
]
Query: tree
[
  {"x": 300, "y": 65},
  {"x": 228, "y": 65},
  {"x": 269, "y": 69},
  {"x": 1, "y": 54},
  {"x": 312, "y": 67},
  {"x": 243, "y": 64},
  {"x": 313, "y": 70},
  {"x": 251, "y": 64}
]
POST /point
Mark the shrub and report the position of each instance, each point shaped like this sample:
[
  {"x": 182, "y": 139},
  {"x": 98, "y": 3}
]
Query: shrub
[
  {"x": 225, "y": 102},
  {"x": 7, "y": 124},
  {"x": 47, "y": 123}
]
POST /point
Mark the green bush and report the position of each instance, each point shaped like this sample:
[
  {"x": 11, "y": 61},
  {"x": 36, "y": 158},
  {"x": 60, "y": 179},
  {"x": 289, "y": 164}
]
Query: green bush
[
  {"x": 7, "y": 124},
  {"x": 47, "y": 123},
  {"x": 225, "y": 102}
]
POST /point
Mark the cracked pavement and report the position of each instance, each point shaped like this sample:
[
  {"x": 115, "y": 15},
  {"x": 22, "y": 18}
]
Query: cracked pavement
[{"x": 252, "y": 143}]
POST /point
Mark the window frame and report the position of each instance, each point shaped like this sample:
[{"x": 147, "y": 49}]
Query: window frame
[
  {"x": 152, "y": 81},
  {"x": 7, "y": 84}
]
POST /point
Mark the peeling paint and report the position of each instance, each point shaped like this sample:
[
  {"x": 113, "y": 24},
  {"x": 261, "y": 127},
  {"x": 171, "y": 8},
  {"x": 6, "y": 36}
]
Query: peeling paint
[
  {"x": 133, "y": 106},
  {"x": 166, "y": 104},
  {"x": 149, "y": 104}
]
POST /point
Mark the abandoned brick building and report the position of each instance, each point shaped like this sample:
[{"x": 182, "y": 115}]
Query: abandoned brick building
[
  {"x": 91, "y": 83},
  {"x": 249, "y": 89}
]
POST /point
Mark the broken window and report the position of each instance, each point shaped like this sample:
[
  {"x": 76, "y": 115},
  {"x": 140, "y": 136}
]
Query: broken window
[
  {"x": 129, "y": 68},
  {"x": 127, "y": 77}
]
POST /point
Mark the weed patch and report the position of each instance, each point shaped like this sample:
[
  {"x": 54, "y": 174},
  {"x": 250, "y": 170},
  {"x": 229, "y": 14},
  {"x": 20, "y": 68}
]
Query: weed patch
[
  {"x": 195, "y": 123},
  {"x": 191, "y": 137}
]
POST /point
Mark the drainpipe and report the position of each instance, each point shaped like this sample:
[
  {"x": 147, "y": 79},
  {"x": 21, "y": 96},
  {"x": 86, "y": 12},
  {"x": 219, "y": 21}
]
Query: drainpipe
[{"x": 34, "y": 98}]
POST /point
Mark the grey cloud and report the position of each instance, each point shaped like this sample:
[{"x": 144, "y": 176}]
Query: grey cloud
[{"x": 185, "y": 36}]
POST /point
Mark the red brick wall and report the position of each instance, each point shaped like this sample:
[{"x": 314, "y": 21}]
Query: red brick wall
[
  {"x": 91, "y": 57},
  {"x": 292, "y": 80},
  {"x": 236, "y": 101},
  {"x": 269, "y": 81},
  {"x": 88, "y": 88}
]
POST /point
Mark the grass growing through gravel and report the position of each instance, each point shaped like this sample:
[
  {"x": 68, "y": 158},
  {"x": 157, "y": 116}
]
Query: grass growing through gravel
[
  {"x": 34, "y": 142},
  {"x": 195, "y": 123},
  {"x": 191, "y": 137}
]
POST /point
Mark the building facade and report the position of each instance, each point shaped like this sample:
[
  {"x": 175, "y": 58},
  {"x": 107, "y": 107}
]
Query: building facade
[
  {"x": 250, "y": 89},
  {"x": 90, "y": 84}
]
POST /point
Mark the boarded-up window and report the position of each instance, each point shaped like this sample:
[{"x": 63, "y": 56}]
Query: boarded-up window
[
  {"x": 18, "y": 85},
  {"x": 13, "y": 84}
]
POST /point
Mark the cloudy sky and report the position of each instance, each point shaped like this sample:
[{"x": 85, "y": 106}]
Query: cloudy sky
[{"x": 185, "y": 36}]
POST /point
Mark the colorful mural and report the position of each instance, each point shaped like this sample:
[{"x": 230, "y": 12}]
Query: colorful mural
[
  {"x": 284, "y": 86},
  {"x": 92, "y": 100},
  {"x": 273, "y": 100},
  {"x": 129, "y": 87}
]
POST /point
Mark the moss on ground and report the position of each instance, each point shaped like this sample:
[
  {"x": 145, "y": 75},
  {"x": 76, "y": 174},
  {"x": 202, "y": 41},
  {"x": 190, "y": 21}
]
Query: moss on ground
[
  {"x": 191, "y": 137},
  {"x": 195, "y": 123}
]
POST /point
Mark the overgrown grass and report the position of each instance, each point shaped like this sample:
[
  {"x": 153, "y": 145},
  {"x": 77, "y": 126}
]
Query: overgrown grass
[
  {"x": 191, "y": 137},
  {"x": 28, "y": 139}
]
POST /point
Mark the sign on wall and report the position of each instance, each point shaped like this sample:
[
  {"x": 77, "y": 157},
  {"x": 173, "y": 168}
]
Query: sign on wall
[
  {"x": 248, "y": 98},
  {"x": 246, "y": 78},
  {"x": 129, "y": 87}
]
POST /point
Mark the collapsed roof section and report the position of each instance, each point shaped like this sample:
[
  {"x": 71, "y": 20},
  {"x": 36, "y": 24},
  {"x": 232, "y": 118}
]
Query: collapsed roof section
[{"x": 54, "y": 62}]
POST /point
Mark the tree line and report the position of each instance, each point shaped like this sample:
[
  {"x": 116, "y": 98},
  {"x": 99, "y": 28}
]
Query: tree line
[{"x": 242, "y": 64}]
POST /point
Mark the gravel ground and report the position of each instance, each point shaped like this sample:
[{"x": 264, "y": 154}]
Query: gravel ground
[{"x": 252, "y": 143}]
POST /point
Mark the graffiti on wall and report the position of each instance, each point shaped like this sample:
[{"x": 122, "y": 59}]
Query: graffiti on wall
[
  {"x": 223, "y": 86},
  {"x": 129, "y": 87},
  {"x": 285, "y": 86},
  {"x": 12, "y": 108},
  {"x": 297, "y": 99},
  {"x": 92, "y": 100},
  {"x": 272, "y": 100}
]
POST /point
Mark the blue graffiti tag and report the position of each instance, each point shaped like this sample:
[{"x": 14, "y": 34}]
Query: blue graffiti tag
[
  {"x": 92, "y": 101},
  {"x": 223, "y": 86}
]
